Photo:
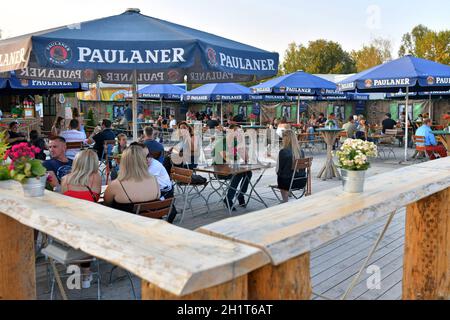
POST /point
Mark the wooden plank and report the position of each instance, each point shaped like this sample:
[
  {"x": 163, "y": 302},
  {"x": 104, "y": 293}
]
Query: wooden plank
[
  {"x": 347, "y": 267},
  {"x": 175, "y": 259},
  {"x": 288, "y": 281},
  {"x": 17, "y": 265},
  {"x": 389, "y": 262},
  {"x": 427, "y": 249},
  {"x": 237, "y": 289},
  {"x": 360, "y": 248},
  {"x": 300, "y": 226}
]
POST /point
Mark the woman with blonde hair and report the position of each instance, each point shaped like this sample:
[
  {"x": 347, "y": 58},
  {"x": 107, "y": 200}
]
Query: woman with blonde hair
[
  {"x": 287, "y": 157},
  {"x": 84, "y": 181},
  {"x": 134, "y": 185}
]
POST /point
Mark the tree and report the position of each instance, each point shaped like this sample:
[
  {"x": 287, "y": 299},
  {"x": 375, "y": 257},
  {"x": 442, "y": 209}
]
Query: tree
[
  {"x": 428, "y": 44},
  {"x": 376, "y": 53},
  {"x": 320, "y": 56}
]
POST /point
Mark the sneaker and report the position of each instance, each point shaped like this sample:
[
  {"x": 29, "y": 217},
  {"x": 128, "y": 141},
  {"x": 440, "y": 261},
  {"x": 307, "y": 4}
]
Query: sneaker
[{"x": 242, "y": 203}]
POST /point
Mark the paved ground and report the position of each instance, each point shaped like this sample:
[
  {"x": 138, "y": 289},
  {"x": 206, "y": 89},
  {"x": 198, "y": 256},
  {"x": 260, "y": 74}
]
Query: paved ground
[{"x": 333, "y": 266}]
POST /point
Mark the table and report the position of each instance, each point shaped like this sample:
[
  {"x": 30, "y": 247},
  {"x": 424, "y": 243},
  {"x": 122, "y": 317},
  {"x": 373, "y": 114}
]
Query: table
[
  {"x": 255, "y": 127},
  {"x": 225, "y": 185},
  {"x": 444, "y": 137},
  {"x": 329, "y": 170}
]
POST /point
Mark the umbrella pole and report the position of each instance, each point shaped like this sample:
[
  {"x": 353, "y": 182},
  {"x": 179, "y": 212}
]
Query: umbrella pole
[
  {"x": 406, "y": 124},
  {"x": 429, "y": 107},
  {"x": 161, "y": 106},
  {"x": 298, "y": 110},
  {"x": 221, "y": 113},
  {"x": 134, "y": 106}
]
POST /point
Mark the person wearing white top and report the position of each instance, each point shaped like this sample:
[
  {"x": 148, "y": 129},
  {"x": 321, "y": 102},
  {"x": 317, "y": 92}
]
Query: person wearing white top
[
  {"x": 172, "y": 122},
  {"x": 73, "y": 135},
  {"x": 156, "y": 169}
]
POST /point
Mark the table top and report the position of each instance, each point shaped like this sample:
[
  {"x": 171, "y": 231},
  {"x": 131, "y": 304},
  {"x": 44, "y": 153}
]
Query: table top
[
  {"x": 230, "y": 169},
  {"x": 253, "y": 127},
  {"x": 329, "y": 130},
  {"x": 441, "y": 132}
]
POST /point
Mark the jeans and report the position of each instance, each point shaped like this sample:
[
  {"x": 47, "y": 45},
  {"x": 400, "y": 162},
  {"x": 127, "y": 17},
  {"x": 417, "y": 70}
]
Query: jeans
[
  {"x": 244, "y": 180},
  {"x": 172, "y": 214}
]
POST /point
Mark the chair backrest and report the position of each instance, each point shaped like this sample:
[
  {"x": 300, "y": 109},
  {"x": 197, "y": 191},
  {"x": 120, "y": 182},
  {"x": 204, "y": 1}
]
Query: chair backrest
[
  {"x": 391, "y": 132},
  {"x": 74, "y": 145},
  {"x": 181, "y": 175},
  {"x": 418, "y": 139},
  {"x": 304, "y": 163},
  {"x": 154, "y": 209}
]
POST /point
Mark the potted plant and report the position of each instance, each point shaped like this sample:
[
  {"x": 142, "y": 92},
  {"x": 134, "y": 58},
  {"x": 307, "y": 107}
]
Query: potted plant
[
  {"x": 253, "y": 118},
  {"x": 26, "y": 169},
  {"x": 4, "y": 172},
  {"x": 354, "y": 161}
]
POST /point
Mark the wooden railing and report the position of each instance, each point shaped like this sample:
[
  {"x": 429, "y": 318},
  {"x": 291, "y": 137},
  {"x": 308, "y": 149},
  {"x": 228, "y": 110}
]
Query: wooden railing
[{"x": 261, "y": 255}]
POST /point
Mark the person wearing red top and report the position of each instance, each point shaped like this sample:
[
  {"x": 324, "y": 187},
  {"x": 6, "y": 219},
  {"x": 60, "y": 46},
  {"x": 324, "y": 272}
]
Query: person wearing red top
[{"x": 84, "y": 182}]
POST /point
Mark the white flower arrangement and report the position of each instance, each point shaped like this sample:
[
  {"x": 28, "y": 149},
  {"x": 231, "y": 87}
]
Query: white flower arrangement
[{"x": 354, "y": 154}]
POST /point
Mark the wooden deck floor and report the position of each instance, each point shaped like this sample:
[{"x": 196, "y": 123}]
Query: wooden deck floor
[{"x": 333, "y": 265}]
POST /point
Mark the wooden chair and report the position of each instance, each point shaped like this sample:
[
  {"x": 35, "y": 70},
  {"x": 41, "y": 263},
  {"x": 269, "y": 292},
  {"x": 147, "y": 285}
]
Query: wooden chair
[
  {"x": 300, "y": 164},
  {"x": 108, "y": 145},
  {"x": 182, "y": 179},
  {"x": 421, "y": 149},
  {"x": 386, "y": 144},
  {"x": 74, "y": 145},
  {"x": 155, "y": 209}
]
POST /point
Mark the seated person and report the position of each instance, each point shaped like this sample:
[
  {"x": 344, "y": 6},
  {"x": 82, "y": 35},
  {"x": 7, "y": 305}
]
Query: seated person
[
  {"x": 225, "y": 152},
  {"x": 212, "y": 122},
  {"x": 362, "y": 131},
  {"x": 84, "y": 181},
  {"x": 430, "y": 141},
  {"x": 185, "y": 153},
  {"x": 73, "y": 135},
  {"x": 98, "y": 137},
  {"x": 154, "y": 147},
  {"x": 332, "y": 119},
  {"x": 289, "y": 153},
  {"x": 39, "y": 142},
  {"x": 388, "y": 123},
  {"x": 321, "y": 120},
  {"x": 283, "y": 125},
  {"x": 134, "y": 185},
  {"x": 157, "y": 170},
  {"x": 13, "y": 135},
  {"x": 117, "y": 151},
  {"x": 59, "y": 165},
  {"x": 350, "y": 127}
]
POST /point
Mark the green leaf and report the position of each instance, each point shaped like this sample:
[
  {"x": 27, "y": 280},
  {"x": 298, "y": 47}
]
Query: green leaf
[{"x": 37, "y": 168}]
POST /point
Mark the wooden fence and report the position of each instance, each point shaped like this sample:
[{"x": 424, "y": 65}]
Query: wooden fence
[{"x": 261, "y": 255}]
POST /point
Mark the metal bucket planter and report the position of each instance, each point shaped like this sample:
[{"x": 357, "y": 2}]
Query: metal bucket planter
[
  {"x": 34, "y": 187},
  {"x": 353, "y": 181}
]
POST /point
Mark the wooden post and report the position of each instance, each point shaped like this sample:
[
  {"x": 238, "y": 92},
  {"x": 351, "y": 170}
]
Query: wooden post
[
  {"x": 232, "y": 290},
  {"x": 426, "y": 270},
  {"x": 288, "y": 281},
  {"x": 17, "y": 262}
]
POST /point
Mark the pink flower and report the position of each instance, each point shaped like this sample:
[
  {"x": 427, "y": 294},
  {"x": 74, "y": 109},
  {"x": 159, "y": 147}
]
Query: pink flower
[{"x": 11, "y": 167}]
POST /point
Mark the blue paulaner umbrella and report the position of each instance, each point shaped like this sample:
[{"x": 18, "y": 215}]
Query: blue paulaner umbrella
[
  {"x": 161, "y": 92},
  {"x": 409, "y": 73},
  {"x": 133, "y": 48},
  {"x": 14, "y": 86},
  {"x": 298, "y": 83},
  {"x": 218, "y": 92}
]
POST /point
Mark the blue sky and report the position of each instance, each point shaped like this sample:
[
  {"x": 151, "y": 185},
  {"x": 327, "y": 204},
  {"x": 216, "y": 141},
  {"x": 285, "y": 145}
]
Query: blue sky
[{"x": 269, "y": 25}]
